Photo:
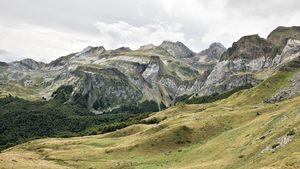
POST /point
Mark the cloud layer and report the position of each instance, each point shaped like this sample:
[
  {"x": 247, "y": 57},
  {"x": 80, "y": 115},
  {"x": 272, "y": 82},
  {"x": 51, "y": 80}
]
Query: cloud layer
[
  {"x": 46, "y": 30},
  {"x": 122, "y": 33}
]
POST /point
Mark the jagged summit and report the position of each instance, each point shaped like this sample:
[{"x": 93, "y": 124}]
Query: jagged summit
[
  {"x": 89, "y": 51},
  {"x": 213, "y": 53},
  {"x": 177, "y": 49},
  {"x": 251, "y": 46},
  {"x": 3, "y": 64},
  {"x": 151, "y": 69},
  {"x": 147, "y": 47},
  {"x": 281, "y": 34}
]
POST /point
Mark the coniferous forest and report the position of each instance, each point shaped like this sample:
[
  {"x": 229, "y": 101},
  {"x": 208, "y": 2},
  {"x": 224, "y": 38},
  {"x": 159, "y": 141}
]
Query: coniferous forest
[{"x": 22, "y": 120}]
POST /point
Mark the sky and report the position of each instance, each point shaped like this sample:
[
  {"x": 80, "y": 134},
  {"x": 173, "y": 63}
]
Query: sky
[{"x": 47, "y": 29}]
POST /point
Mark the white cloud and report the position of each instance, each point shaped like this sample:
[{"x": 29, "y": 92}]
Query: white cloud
[
  {"x": 45, "y": 30},
  {"x": 41, "y": 44},
  {"x": 123, "y": 34}
]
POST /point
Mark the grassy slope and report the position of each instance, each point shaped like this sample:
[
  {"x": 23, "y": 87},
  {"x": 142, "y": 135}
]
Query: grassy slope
[{"x": 210, "y": 138}]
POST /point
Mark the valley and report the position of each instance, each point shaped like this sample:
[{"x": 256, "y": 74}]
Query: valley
[{"x": 157, "y": 107}]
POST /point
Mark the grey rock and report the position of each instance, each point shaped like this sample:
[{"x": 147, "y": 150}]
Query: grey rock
[
  {"x": 213, "y": 53},
  {"x": 89, "y": 51},
  {"x": 177, "y": 49}
]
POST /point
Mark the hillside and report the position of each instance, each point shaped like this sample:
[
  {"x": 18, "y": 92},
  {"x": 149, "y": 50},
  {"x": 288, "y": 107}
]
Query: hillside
[
  {"x": 238, "y": 132},
  {"x": 156, "y": 107},
  {"x": 115, "y": 77}
]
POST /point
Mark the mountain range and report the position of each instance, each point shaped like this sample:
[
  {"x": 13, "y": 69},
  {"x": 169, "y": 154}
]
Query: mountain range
[
  {"x": 159, "y": 73},
  {"x": 225, "y": 127}
]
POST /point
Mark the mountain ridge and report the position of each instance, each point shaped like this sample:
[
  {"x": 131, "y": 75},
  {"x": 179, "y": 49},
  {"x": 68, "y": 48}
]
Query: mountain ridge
[
  {"x": 159, "y": 73},
  {"x": 257, "y": 127}
]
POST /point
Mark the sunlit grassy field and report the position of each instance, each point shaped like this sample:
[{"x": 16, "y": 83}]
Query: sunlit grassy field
[{"x": 238, "y": 132}]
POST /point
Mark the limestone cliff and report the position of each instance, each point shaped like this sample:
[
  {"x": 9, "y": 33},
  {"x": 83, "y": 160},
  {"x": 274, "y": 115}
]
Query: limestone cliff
[
  {"x": 213, "y": 53},
  {"x": 110, "y": 78},
  {"x": 208, "y": 58},
  {"x": 177, "y": 49},
  {"x": 251, "y": 55}
]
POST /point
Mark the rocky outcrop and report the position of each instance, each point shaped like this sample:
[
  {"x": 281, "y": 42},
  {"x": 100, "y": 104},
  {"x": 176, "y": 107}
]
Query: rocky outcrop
[
  {"x": 120, "y": 50},
  {"x": 212, "y": 54},
  {"x": 3, "y": 64},
  {"x": 229, "y": 83},
  {"x": 122, "y": 76},
  {"x": 147, "y": 47},
  {"x": 26, "y": 65},
  {"x": 89, "y": 51},
  {"x": 110, "y": 91},
  {"x": 252, "y": 54},
  {"x": 202, "y": 66},
  {"x": 291, "y": 50},
  {"x": 249, "y": 47},
  {"x": 178, "y": 50},
  {"x": 281, "y": 35},
  {"x": 293, "y": 90},
  {"x": 31, "y": 64},
  {"x": 61, "y": 61}
]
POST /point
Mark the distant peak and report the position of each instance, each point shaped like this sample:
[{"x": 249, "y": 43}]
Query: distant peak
[
  {"x": 168, "y": 41},
  {"x": 147, "y": 47},
  {"x": 177, "y": 49},
  {"x": 213, "y": 53},
  {"x": 217, "y": 44},
  {"x": 88, "y": 51}
]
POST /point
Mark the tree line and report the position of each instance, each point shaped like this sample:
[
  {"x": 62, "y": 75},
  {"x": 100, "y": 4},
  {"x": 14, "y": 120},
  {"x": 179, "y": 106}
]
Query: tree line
[
  {"x": 23, "y": 120},
  {"x": 216, "y": 96}
]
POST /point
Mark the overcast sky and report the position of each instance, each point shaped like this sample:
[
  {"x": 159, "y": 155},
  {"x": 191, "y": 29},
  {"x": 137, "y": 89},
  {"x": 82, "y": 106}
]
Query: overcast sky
[{"x": 47, "y": 29}]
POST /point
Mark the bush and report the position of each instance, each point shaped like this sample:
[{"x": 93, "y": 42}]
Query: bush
[
  {"x": 216, "y": 96},
  {"x": 180, "y": 105},
  {"x": 291, "y": 133},
  {"x": 164, "y": 118},
  {"x": 93, "y": 132},
  {"x": 275, "y": 145}
]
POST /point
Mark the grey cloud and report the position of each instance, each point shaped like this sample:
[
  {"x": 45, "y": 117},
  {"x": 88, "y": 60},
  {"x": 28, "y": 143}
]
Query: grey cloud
[
  {"x": 73, "y": 23},
  {"x": 263, "y": 8},
  {"x": 3, "y": 51}
]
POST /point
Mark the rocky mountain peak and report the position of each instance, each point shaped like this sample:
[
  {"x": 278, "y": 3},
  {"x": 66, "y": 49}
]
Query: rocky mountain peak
[
  {"x": 147, "y": 47},
  {"x": 3, "y": 64},
  {"x": 281, "y": 34},
  {"x": 89, "y": 51},
  {"x": 213, "y": 53},
  {"x": 248, "y": 47},
  {"x": 31, "y": 64},
  {"x": 177, "y": 49},
  {"x": 122, "y": 49}
]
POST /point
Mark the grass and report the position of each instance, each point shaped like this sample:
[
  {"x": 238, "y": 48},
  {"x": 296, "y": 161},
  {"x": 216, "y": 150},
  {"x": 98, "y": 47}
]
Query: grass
[
  {"x": 16, "y": 89},
  {"x": 207, "y": 135}
]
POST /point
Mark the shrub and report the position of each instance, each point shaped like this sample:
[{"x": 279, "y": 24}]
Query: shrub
[
  {"x": 93, "y": 132},
  {"x": 275, "y": 145},
  {"x": 180, "y": 105},
  {"x": 291, "y": 133},
  {"x": 164, "y": 118}
]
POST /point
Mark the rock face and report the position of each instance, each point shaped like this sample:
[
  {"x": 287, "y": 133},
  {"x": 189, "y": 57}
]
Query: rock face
[
  {"x": 147, "y": 47},
  {"x": 89, "y": 51},
  {"x": 177, "y": 50},
  {"x": 3, "y": 64},
  {"x": 208, "y": 58},
  {"x": 252, "y": 54},
  {"x": 110, "y": 78},
  {"x": 249, "y": 47},
  {"x": 213, "y": 53},
  {"x": 107, "y": 90},
  {"x": 26, "y": 65},
  {"x": 281, "y": 35}
]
